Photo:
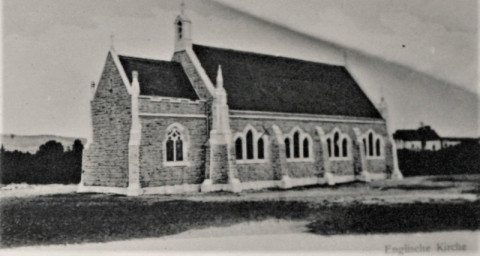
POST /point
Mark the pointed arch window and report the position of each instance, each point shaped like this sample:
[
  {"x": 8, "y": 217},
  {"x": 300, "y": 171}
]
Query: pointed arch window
[
  {"x": 377, "y": 147},
  {"x": 373, "y": 144},
  {"x": 365, "y": 146},
  {"x": 238, "y": 148},
  {"x": 175, "y": 145},
  {"x": 306, "y": 148},
  {"x": 298, "y": 146},
  {"x": 344, "y": 147},
  {"x": 329, "y": 145},
  {"x": 287, "y": 147},
  {"x": 338, "y": 145},
  {"x": 260, "y": 149},
  {"x": 370, "y": 144},
  {"x": 250, "y": 146}
]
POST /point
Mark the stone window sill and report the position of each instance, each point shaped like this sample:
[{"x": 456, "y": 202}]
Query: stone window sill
[
  {"x": 340, "y": 159},
  {"x": 251, "y": 161},
  {"x": 375, "y": 157},
  {"x": 299, "y": 160},
  {"x": 182, "y": 163}
]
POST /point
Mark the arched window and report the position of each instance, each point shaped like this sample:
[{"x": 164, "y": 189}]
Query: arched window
[
  {"x": 344, "y": 147},
  {"x": 365, "y": 146},
  {"x": 329, "y": 145},
  {"x": 377, "y": 147},
  {"x": 287, "y": 147},
  {"x": 338, "y": 144},
  {"x": 179, "y": 149},
  {"x": 370, "y": 144},
  {"x": 335, "y": 145},
  {"x": 306, "y": 152},
  {"x": 260, "y": 149},
  {"x": 180, "y": 29},
  {"x": 296, "y": 145},
  {"x": 174, "y": 146},
  {"x": 249, "y": 145},
  {"x": 373, "y": 144},
  {"x": 170, "y": 154},
  {"x": 238, "y": 148}
]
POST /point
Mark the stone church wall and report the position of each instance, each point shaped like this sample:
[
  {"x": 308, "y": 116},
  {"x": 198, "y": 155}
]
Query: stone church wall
[
  {"x": 153, "y": 172},
  {"x": 105, "y": 163},
  {"x": 304, "y": 169}
]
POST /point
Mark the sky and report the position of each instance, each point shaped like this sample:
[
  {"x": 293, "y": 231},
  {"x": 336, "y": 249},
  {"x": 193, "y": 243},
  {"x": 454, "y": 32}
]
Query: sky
[{"x": 421, "y": 55}]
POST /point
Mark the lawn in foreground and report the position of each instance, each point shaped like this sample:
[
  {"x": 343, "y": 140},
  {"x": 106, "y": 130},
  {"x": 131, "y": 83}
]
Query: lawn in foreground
[{"x": 80, "y": 218}]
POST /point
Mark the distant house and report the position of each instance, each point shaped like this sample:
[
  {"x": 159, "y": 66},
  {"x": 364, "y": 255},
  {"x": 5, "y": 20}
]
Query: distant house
[
  {"x": 453, "y": 141},
  {"x": 423, "y": 138}
]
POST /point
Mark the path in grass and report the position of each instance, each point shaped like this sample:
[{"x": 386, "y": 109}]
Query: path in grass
[
  {"x": 412, "y": 205},
  {"x": 80, "y": 218},
  {"x": 269, "y": 235}
]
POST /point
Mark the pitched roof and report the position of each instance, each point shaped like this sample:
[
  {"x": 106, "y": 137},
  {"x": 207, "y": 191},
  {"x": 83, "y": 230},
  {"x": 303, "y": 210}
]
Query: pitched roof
[
  {"x": 406, "y": 135},
  {"x": 424, "y": 133},
  {"x": 159, "y": 78},
  {"x": 269, "y": 83}
]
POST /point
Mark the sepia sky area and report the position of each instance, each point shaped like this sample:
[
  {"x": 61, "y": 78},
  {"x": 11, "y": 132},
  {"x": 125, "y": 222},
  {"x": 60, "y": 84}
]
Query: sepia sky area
[{"x": 421, "y": 55}]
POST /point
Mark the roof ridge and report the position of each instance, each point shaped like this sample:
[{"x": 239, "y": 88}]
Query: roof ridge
[
  {"x": 269, "y": 55},
  {"x": 145, "y": 59}
]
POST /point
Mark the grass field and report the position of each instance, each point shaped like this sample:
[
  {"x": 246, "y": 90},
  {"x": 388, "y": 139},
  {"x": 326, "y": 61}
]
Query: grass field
[{"x": 80, "y": 218}]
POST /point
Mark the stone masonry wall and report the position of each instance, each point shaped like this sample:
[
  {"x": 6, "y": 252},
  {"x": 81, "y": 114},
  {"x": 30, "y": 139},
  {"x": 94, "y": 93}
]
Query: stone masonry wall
[
  {"x": 265, "y": 171},
  {"x": 171, "y": 106},
  {"x": 105, "y": 163},
  {"x": 153, "y": 173}
]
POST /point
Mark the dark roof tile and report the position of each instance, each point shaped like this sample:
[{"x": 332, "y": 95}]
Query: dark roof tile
[
  {"x": 268, "y": 83},
  {"x": 159, "y": 78}
]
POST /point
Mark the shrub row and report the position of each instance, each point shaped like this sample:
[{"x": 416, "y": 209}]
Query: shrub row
[
  {"x": 50, "y": 164},
  {"x": 460, "y": 159}
]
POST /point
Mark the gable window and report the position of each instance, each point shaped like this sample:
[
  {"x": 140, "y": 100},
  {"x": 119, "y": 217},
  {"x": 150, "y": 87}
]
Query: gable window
[
  {"x": 373, "y": 145},
  {"x": 338, "y": 145},
  {"x": 301, "y": 148},
  {"x": 250, "y": 146},
  {"x": 175, "y": 146}
]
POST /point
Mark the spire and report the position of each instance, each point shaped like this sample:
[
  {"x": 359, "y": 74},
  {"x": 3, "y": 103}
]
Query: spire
[
  {"x": 135, "y": 84},
  {"x": 219, "y": 77},
  {"x": 112, "y": 38},
  {"x": 182, "y": 8},
  {"x": 183, "y": 30}
]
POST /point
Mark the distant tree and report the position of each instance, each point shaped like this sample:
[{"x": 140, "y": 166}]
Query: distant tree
[
  {"x": 77, "y": 146},
  {"x": 51, "y": 164},
  {"x": 51, "y": 148}
]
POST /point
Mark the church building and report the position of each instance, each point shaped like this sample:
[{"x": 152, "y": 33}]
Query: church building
[{"x": 215, "y": 119}]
